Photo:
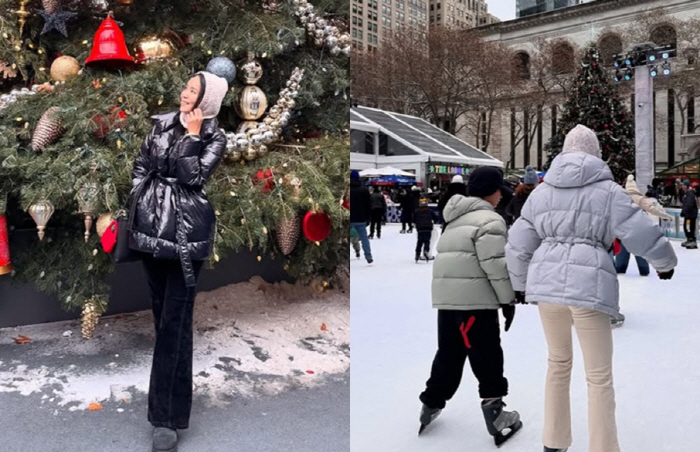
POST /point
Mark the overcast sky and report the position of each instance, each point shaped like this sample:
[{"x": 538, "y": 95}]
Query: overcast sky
[{"x": 503, "y": 9}]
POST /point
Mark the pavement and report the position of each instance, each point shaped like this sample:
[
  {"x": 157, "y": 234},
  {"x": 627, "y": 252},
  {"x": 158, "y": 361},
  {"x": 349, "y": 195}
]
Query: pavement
[{"x": 271, "y": 368}]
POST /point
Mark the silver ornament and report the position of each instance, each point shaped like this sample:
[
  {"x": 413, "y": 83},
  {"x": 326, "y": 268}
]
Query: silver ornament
[
  {"x": 335, "y": 50},
  {"x": 346, "y": 50},
  {"x": 223, "y": 67},
  {"x": 256, "y": 140},
  {"x": 332, "y": 41},
  {"x": 268, "y": 136}
]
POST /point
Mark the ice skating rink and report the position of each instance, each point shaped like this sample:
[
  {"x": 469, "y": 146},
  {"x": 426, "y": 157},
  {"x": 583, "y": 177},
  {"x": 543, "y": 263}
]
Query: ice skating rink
[{"x": 394, "y": 338}]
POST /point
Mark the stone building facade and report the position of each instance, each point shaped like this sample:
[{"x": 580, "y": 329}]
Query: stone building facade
[{"x": 604, "y": 22}]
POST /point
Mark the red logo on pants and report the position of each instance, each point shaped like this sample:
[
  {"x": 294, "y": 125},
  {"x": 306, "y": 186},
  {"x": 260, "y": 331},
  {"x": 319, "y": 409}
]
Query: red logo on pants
[{"x": 465, "y": 328}]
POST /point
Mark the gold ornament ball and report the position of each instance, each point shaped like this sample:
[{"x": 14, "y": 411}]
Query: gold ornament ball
[
  {"x": 251, "y": 154},
  {"x": 64, "y": 68},
  {"x": 262, "y": 150},
  {"x": 103, "y": 222},
  {"x": 252, "y": 103},
  {"x": 246, "y": 126},
  {"x": 251, "y": 71},
  {"x": 153, "y": 49}
]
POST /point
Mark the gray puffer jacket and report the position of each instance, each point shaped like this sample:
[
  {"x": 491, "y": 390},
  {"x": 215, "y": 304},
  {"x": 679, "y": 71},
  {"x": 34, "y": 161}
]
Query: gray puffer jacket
[
  {"x": 557, "y": 251},
  {"x": 470, "y": 269}
]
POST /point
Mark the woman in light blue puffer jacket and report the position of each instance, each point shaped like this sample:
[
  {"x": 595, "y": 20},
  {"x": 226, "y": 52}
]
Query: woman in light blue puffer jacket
[{"x": 557, "y": 254}]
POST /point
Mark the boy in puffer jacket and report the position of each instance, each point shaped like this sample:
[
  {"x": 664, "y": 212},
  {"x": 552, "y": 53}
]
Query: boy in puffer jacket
[
  {"x": 470, "y": 284},
  {"x": 424, "y": 218}
]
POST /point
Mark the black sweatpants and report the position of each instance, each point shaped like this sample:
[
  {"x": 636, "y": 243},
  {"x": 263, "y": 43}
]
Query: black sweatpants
[
  {"x": 376, "y": 217},
  {"x": 462, "y": 334},
  {"x": 423, "y": 241},
  {"x": 689, "y": 228},
  {"x": 170, "y": 391}
]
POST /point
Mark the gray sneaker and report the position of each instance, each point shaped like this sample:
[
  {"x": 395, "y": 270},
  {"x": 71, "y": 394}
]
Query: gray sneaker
[{"x": 164, "y": 439}]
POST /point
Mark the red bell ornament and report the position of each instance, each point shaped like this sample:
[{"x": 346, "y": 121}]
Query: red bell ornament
[{"x": 109, "y": 47}]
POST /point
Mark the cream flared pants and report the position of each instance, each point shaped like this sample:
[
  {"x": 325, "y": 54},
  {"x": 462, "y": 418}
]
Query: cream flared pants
[{"x": 595, "y": 337}]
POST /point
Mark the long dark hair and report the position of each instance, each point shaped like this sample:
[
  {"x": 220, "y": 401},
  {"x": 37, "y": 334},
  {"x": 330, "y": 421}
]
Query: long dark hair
[{"x": 523, "y": 190}]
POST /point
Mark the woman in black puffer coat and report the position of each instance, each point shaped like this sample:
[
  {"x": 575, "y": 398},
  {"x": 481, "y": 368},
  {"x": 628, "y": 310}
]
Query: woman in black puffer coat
[{"x": 172, "y": 225}]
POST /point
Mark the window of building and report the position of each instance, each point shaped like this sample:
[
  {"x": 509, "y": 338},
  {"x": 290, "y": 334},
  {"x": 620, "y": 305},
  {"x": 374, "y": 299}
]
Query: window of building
[
  {"x": 438, "y": 6},
  {"x": 359, "y": 34},
  {"x": 562, "y": 58},
  {"x": 522, "y": 65},
  {"x": 400, "y": 5},
  {"x": 354, "y": 32},
  {"x": 401, "y": 16},
  {"x": 432, "y": 7},
  {"x": 664, "y": 35},
  {"x": 609, "y": 45}
]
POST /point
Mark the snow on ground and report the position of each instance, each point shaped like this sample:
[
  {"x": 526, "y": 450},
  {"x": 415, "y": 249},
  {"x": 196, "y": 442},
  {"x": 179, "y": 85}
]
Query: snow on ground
[
  {"x": 394, "y": 339},
  {"x": 250, "y": 339}
]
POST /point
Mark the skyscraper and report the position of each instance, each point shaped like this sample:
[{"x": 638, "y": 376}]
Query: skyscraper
[
  {"x": 460, "y": 13},
  {"x": 374, "y": 20},
  {"x": 531, "y": 7}
]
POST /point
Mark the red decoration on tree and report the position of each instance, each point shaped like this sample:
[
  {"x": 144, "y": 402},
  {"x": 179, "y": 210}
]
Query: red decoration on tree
[
  {"x": 268, "y": 179},
  {"x": 5, "y": 264},
  {"x": 109, "y": 46},
  {"x": 317, "y": 225},
  {"x": 606, "y": 126},
  {"x": 116, "y": 119}
]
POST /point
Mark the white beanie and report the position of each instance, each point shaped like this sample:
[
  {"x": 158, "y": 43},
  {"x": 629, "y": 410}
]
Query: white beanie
[
  {"x": 581, "y": 139},
  {"x": 215, "y": 89},
  {"x": 457, "y": 179}
]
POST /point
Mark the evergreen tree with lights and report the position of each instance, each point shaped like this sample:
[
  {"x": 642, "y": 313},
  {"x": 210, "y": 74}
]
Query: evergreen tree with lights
[
  {"x": 72, "y": 120},
  {"x": 595, "y": 102}
]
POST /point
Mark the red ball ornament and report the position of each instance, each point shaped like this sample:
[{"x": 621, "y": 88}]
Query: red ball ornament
[
  {"x": 267, "y": 178},
  {"x": 317, "y": 225},
  {"x": 606, "y": 126},
  {"x": 103, "y": 123}
]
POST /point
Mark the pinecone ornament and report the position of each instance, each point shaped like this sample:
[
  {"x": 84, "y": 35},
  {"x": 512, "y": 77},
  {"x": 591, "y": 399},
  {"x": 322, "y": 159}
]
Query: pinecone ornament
[
  {"x": 288, "y": 232},
  {"x": 48, "y": 130},
  {"x": 50, "y": 6},
  {"x": 90, "y": 318}
]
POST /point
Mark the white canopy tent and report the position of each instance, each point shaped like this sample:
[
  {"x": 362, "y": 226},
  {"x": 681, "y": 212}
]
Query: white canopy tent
[{"x": 385, "y": 171}]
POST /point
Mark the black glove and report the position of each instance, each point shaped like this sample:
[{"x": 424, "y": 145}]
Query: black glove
[
  {"x": 520, "y": 297},
  {"x": 666, "y": 275},
  {"x": 508, "y": 313}
]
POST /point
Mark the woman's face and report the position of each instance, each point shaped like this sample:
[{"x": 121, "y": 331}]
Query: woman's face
[{"x": 188, "y": 96}]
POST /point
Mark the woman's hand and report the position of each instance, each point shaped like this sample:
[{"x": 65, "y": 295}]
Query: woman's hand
[{"x": 194, "y": 121}]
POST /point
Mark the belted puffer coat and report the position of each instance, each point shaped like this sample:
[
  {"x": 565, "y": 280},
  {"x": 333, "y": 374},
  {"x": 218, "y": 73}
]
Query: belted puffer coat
[
  {"x": 557, "y": 251},
  {"x": 170, "y": 215}
]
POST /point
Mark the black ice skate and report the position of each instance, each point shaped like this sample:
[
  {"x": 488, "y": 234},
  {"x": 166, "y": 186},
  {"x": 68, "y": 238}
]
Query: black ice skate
[
  {"x": 427, "y": 415},
  {"x": 502, "y": 425},
  {"x": 549, "y": 449},
  {"x": 616, "y": 323},
  {"x": 417, "y": 257},
  {"x": 692, "y": 245}
]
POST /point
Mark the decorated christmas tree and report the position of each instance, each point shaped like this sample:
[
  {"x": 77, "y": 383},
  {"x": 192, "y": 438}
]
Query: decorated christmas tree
[
  {"x": 596, "y": 103},
  {"x": 81, "y": 80}
]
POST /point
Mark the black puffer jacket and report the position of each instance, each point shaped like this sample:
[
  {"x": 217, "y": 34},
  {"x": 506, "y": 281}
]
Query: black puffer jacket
[
  {"x": 170, "y": 216},
  {"x": 690, "y": 205},
  {"x": 360, "y": 203},
  {"x": 452, "y": 189}
]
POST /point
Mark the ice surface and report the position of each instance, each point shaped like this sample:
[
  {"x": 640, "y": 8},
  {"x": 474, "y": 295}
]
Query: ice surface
[{"x": 393, "y": 336}]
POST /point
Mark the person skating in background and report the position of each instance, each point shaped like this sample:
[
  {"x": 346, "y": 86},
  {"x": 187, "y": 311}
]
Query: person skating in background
[
  {"x": 360, "y": 211},
  {"x": 506, "y": 198},
  {"x": 424, "y": 218},
  {"x": 377, "y": 214},
  {"x": 522, "y": 192},
  {"x": 456, "y": 187},
  {"x": 470, "y": 285},
  {"x": 407, "y": 203},
  {"x": 655, "y": 212},
  {"x": 355, "y": 241},
  {"x": 557, "y": 256},
  {"x": 689, "y": 213}
]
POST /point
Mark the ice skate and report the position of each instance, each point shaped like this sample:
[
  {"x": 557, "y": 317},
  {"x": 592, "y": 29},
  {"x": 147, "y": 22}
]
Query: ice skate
[
  {"x": 684, "y": 244},
  {"x": 417, "y": 257},
  {"x": 427, "y": 415},
  {"x": 549, "y": 449},
  {"x": 502, "y": 425},
  {"x": 427, "y": 256},
  {"x": 693, "y": 245},
  {"x": 616, "y": 323}
]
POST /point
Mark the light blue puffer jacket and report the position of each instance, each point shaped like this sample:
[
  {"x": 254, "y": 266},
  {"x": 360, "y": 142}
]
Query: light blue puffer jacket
[{"x": 557, "y": 251}]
